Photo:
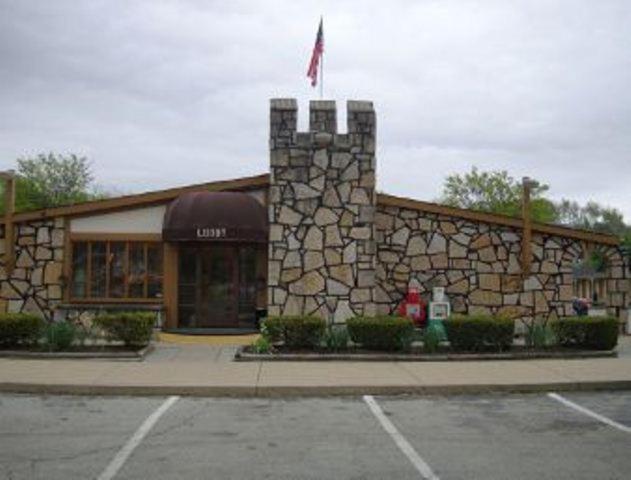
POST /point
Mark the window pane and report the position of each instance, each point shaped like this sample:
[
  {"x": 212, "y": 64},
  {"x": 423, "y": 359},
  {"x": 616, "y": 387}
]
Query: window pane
[
  {"x": 99, "y": 265},
  {"x": 117, "y": 269},
  {"x": 136, "y": 270},
  {"x": 154, "y": 270},
  {"x": 79, "y": 269}
]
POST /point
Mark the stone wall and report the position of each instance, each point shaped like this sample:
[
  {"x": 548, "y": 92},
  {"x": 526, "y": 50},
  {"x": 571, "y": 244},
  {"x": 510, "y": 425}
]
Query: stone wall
[
  {"x": 321, "y": 210},
  {"x": 479, "y": 265},
  {"x": 34, "y": 286}
]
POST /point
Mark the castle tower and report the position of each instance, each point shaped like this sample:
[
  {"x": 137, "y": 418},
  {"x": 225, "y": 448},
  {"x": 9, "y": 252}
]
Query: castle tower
[{"x": 321, "y": 210}]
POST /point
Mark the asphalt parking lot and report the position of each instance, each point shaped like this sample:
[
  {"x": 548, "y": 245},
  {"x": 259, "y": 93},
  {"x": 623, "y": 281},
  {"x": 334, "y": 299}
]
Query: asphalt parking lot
[{"x": 461, "y": 437}]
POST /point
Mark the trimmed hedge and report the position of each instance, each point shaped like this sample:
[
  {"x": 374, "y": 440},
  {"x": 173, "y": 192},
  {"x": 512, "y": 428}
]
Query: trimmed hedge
[
  {"x": 382, "y": 332},
  {"x": 134, "y": 329},
  {"x": 295, "y": 331},
  {"x": 20, "y": 329},
  {"x": 474, "y": 333},
  {"x": 593, "y": 333}
]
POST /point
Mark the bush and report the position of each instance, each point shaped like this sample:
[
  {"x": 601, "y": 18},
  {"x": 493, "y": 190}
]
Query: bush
[
  {"x": 60, "y": 335},
  {"x": 20, "y": 329},
  {"x": 474, "y": 333},
  {"x": 593, "y": 333},
  {"x": 431, "y": 340},
  {"x": 131, "y": 328},
  {"x": 261, "y": 345},
  {"x": 295, "y": 331},
  {"x": 336, "y": 338},
  {"x": 382, "y": 332},
  {"x": 540, "y": 336}
]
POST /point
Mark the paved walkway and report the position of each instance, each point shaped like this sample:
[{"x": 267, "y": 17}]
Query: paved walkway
[{"x": 208, "y": 370}]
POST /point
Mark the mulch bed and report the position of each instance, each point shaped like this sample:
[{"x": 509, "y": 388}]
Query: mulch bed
[
  {"x": 87, "y": 351},
  {"x": 516, "y": 353}
]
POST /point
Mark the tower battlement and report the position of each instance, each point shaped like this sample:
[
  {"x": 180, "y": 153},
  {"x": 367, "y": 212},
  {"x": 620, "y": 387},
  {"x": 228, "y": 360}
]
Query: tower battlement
[{"x": 321, "y": 210}]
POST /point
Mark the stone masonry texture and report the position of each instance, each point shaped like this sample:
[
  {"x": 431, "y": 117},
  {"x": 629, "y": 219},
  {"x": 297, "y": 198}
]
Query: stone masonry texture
[
  {"x": 479, "y": 266},
  {"x": 322, "y": 204},
  {"x": 35, "y": 285}
]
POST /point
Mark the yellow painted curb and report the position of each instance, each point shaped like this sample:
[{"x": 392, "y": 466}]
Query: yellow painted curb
[{"x": 207, "y": 339}]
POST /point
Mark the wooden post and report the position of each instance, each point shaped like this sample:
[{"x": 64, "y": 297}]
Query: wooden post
[
  {"x": 170, "y": 285},
  {"x": 9, "y": 210},
  {"x": 526, "y": 246}
]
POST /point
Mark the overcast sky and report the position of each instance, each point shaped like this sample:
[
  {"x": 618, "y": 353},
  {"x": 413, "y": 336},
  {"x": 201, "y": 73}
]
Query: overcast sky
[{"x": 163, "y": 93}]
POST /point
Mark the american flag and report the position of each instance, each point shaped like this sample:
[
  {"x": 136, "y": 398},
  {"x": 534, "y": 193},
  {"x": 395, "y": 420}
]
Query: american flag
[{"x": 318, "y": 50}]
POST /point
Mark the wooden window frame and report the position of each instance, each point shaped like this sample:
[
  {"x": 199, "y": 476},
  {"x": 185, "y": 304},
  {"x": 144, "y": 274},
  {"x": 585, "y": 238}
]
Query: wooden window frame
[{"x": 127, "y": 239}]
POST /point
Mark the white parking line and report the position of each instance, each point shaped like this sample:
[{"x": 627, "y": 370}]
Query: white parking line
[
  {"x": 420, "y": 464},
  {"x": 589, "y": 413},
  {"x": 124, "y": 453}
]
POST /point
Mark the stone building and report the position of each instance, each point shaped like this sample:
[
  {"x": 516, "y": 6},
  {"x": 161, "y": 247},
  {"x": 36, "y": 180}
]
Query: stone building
[{"x": 311, "y": 237}]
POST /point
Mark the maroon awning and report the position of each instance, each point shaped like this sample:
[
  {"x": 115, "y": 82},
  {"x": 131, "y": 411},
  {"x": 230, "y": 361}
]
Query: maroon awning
[{"x": 215, "y": 217}]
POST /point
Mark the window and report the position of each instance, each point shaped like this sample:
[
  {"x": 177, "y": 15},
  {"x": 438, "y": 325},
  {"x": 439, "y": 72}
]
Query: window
[{"x": 116, "y": 270}]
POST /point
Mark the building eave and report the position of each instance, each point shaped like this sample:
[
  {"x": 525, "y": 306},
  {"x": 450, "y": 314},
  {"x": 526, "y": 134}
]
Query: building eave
[{"x": 262, "y": 181}]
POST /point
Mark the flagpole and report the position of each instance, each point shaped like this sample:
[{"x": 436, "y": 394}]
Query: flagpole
[{"x": 322, "y": 77}]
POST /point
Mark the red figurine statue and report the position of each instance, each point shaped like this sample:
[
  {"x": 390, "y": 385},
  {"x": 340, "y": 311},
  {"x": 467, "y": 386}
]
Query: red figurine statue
[{"x": 413, "y": 306}]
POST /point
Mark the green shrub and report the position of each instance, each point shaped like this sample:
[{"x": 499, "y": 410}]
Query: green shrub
[
  {"x": 20, "y": 329},
  {"x": 593, "y": 333},
  {"x": 60, "y": 335},
  {"x": 474, "y": 333},
  {"x": 261, "y": 345},
  {"x": 131, "y": 328},
  {"x": 540, "y": 335},
  {"x": 295, "y": 331},
  {"x": 336, "y": 338},
  {"x": 431, "y": 340},
  {"x": 382, "y": 332}
]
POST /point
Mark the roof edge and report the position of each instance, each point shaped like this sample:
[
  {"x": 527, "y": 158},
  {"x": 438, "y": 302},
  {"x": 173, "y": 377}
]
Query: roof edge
[
  {"x": 139, "y": 199},
  {"x": 498, "y": 219},
  {"x": 262, "y": 180}
]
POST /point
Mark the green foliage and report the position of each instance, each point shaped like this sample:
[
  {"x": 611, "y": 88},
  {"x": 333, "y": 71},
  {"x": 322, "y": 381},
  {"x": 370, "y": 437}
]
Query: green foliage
[
  {"x": 336, "y": 338},
  {"x": 593, "y": 333},
  {"x": 261, "y": 345},
  {"x": 540, "y": 336},
  {"x": 132, "y": 328},
  {"x": 495, "y": 192},
  {"x": 60, "y": 335},
  {"x": 474, "y": 333},
  {"x": 50, "y": 180},
  {"x": 382, "y": 332},
  {"x": 431, "y": 340},
  {"x": 20, "y": 329},
  {"x": 592, "y": 216},
  {"x": 296, "y": 331},
  {"x": 498, "y": 192}
]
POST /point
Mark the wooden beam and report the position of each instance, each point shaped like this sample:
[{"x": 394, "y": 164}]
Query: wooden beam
[
  {"x": 170, "y": 285},
  {"x": 9, "y": 226},
  {"x": 115, "y": 237},
  {"x": 495, "y": 219},
  {"x": 143, "y": 199},
  {"x": 526, "y": 238}
]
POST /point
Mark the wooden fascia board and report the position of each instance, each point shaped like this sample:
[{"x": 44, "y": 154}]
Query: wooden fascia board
[
  {"x": 141, "y": 199},
  {"x": 392, "y": 201}
]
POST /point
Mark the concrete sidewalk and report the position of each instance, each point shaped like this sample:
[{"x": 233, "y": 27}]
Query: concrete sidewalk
[{"x": 208, "y": 371}]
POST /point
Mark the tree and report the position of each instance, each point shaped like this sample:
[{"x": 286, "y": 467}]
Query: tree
[
  {"x": 50, "y": 180},
  {"x": 495, "y": 192},
  {"x": 592, "y": 216}
]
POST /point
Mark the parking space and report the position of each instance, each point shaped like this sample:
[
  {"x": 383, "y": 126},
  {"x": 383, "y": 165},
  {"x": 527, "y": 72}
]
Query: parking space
[
  {"x": 52, "y": 438},
  {"x": 525, "y": 437},
  {"x": 459, "y": 437}
]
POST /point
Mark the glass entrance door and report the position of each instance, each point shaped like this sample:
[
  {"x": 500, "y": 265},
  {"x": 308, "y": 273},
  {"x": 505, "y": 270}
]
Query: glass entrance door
[{"x": 217, "y": 286}]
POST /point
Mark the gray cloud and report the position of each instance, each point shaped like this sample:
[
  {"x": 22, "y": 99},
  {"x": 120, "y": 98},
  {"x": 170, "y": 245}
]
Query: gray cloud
[{"x": 163, "y": 93}]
